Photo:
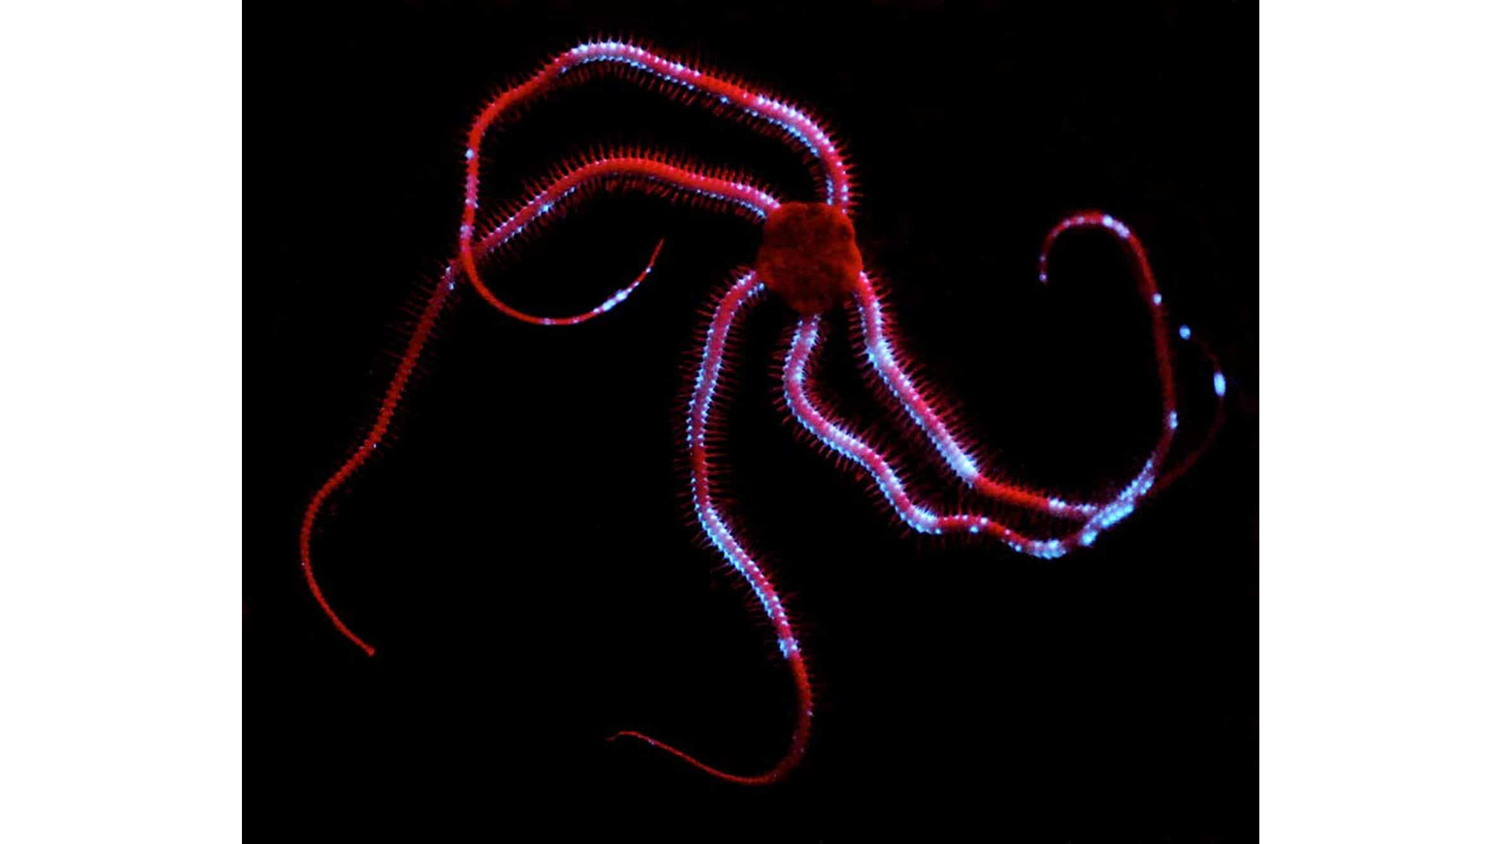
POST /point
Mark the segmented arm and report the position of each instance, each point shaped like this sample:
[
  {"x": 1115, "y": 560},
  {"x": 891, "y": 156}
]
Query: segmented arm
[
  {"x": 809, "y": 412},
  {"x": 745, "y": 292},
  {"x": 713, "y": 90},
  {"x": 886, "y": 361},
  {"x": 639, "y": 172}
]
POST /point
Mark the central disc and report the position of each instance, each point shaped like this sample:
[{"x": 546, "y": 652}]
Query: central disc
[{"x": 808, "y": 256}]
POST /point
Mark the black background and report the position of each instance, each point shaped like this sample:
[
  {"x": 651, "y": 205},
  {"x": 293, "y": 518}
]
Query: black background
[{"x": 520, "y": 552}]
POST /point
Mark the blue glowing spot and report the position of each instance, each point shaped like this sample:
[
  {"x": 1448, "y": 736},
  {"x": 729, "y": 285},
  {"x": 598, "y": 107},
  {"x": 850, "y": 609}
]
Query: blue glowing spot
[
  {"x": 1156, "y": 298},
  {"x": 1088, "y": 537},
  {"x": 1172, "y": 420},
  {"x": 1049, "y": 550},
  {"x": 1185, "y": 332},
  {"x": 965, "y": 466},
  {"x": 1219, "y": 385},
  {"x": 469, "y": 155},
  {"x": 1115, "y": 226},
  {"x": 1115, "y": 515}
]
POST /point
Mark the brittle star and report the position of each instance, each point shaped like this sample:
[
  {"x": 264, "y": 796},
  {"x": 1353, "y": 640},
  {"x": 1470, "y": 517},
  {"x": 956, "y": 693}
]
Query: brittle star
[{"x": 808, "y": 257}]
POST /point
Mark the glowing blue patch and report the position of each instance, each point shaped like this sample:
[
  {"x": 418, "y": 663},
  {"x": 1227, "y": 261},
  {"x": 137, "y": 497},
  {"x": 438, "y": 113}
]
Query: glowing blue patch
[
  {"x": 1185, "y": 332},
  {"x": 1172, "y": 420},
  {"x": 1049, "y": 550},
  {"x": 1219, "y": 385},
  {"x": 964, "y": 466},
  {"x": 1115, "y": 515},
  {"x": 1156, "y": 298}
]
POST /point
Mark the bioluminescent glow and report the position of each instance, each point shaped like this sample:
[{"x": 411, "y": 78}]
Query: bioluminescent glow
[{"x": 810, "y": 261}]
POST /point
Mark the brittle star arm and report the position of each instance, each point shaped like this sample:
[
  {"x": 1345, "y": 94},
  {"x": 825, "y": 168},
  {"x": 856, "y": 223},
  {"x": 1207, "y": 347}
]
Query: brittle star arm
[
  {"x": 885, "y": 360},
  {"x": 808, "y": 410},
  {"x": 634, "y": 171},
  {"x": 716, "y": 91},
  {"x": 746, "y": 291}
]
